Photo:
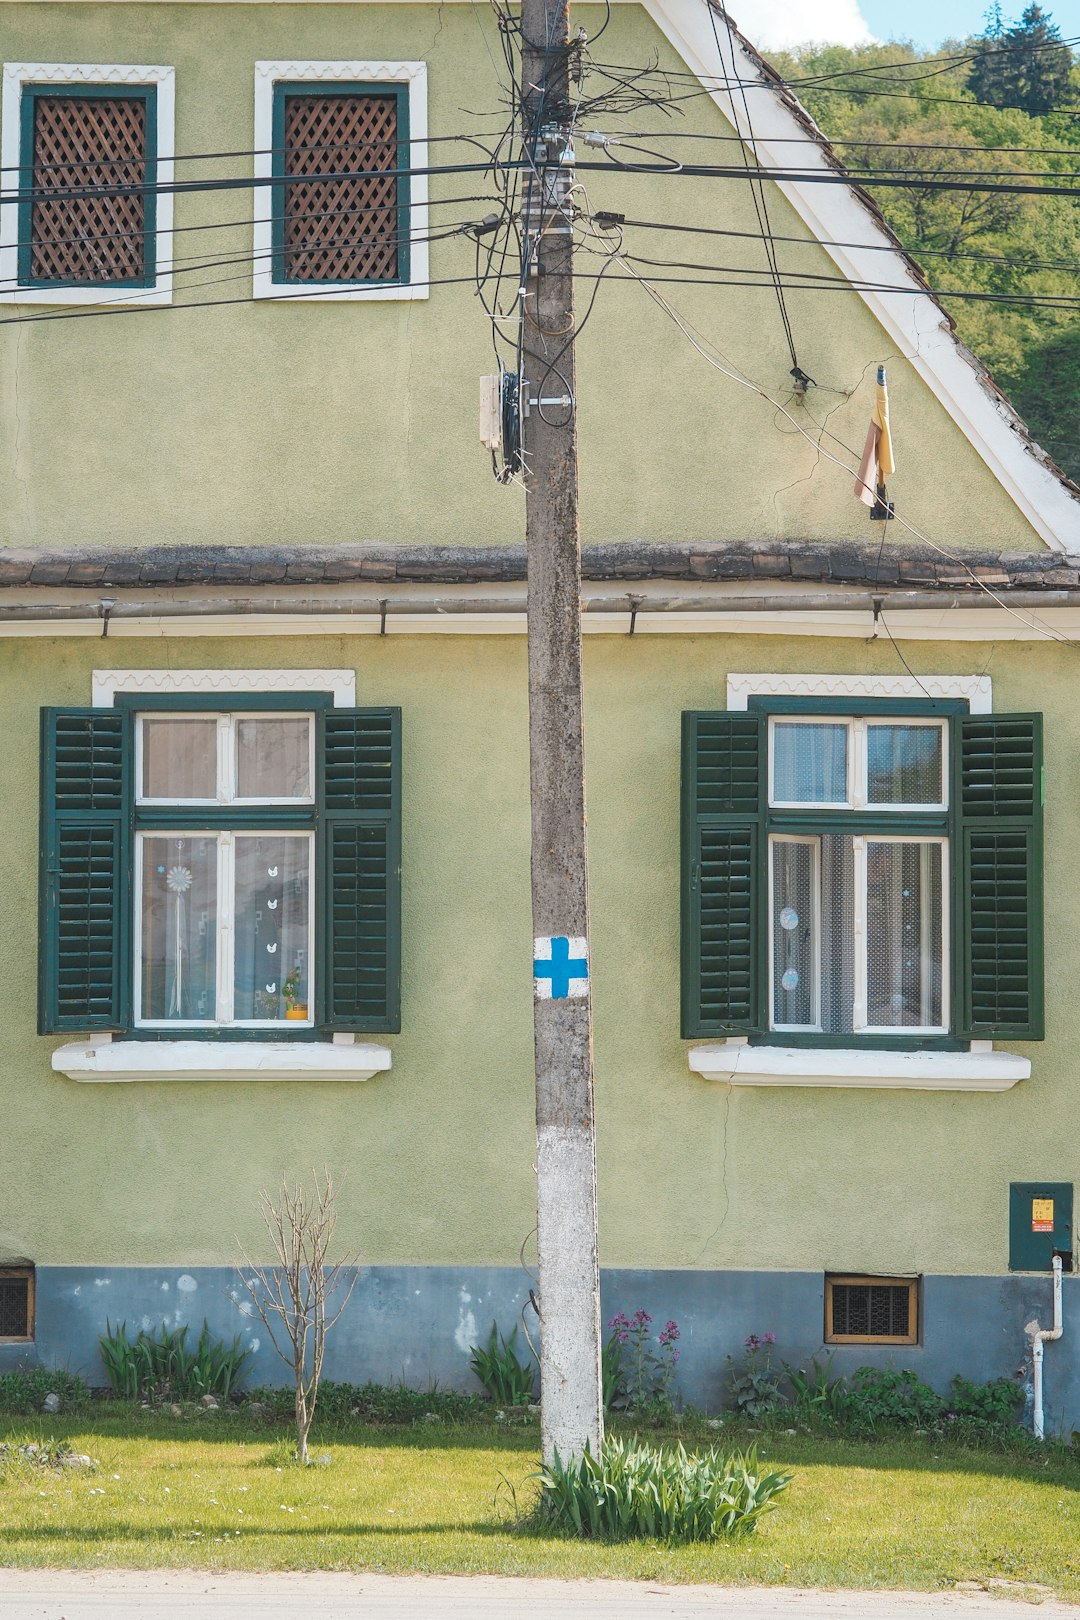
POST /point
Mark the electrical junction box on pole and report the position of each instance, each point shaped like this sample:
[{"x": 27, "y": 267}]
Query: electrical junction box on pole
[
  {"x": 1040, "y": 1224},
  {"x": 491, "y": 413}
]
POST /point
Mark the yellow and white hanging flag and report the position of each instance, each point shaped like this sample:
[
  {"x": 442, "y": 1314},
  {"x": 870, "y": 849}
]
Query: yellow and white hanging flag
[{"x": 878, "y": 462}]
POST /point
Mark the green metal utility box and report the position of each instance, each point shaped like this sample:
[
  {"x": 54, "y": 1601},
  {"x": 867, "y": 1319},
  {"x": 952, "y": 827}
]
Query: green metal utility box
[{"x": 1040, "y": 1224}]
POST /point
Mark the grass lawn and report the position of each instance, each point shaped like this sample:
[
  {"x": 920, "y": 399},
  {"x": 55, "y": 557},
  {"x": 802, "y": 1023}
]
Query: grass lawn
[{"x": 217, "y": 1491}]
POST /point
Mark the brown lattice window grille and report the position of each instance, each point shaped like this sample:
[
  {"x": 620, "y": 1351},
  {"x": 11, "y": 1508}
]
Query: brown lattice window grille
[
  {"x": 81, "y": 230},
  {"x": 17, "y": 1302},
  {"x": 871, "y": 1310},
  {"x": 344, "y": 229}
]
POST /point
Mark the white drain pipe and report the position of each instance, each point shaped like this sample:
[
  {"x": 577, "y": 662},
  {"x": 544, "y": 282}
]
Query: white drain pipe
[{"x": 1038, "y": 1341}]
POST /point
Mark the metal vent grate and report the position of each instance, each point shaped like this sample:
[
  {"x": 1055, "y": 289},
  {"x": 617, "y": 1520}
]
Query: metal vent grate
[
  {"x": 871, "y": 1309},
  {"x": 346, "y": 229},
  {"x": 16, "y": 1302},
  {"x": 88, "y": 146}
]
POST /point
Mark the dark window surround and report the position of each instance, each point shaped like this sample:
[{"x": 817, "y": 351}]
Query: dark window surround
[
  {"x": 351, "y": 833},
  {"x": 85, "y": 92},
  {"x": 24, "y": 1275},
  {"x": 319, "y": 88}
]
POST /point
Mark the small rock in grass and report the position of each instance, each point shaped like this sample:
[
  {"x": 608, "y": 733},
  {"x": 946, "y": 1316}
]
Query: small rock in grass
[
  {"x": 323, "y": 1460},
  {"x": 76, "y": 1459},
  {"x": 791, "y": 1431},
  {"x": 51, "y": 1403},
  {"x": 177, "y": 1411},
  {"x": 208, "y": 1401}
]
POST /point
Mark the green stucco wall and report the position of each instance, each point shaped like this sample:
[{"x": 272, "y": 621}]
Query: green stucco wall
[
  {"x": 436, "y": 1156},
  {"x": 297, "y": 423}
]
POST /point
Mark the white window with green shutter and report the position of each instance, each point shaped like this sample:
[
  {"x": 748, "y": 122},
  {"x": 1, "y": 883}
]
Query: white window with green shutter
[
  {"x": 220, "y": 867},
  {"x": 862, "y": 876}
]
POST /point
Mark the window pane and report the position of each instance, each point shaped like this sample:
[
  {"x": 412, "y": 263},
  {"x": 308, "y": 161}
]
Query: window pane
[
  {"x": 904, "y": 764},
  {"x": 179, "y": 927},
  {"x": 903, "y": 934},
  {"x": 273, "y": 758},
  {"x": 794, "y": 925},
  {"x": 273, "y": 877},
  {"x": 179, "y": 758},
  {"x": 809, "y": 763},
  {"x": 837, "y": 934}
]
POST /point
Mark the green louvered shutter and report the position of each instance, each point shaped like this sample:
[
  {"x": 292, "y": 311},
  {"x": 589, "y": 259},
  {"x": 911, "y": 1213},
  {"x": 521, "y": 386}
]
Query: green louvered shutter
[
  {"x": 723, "y": 883},
  {"x": 998, "y": 789},
  {"x": 85, "y": 865},
  {"x": 360, "y": 864}
]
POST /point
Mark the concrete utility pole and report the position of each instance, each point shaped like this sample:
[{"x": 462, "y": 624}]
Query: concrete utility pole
[{"x": 570, "y": 1380}]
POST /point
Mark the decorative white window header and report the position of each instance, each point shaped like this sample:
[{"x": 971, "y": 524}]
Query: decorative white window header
[
  {"x": 17, "y": 75},
  {"x": 976, "y": 688},
  {"x": 411, "y": 74},
  {"x": 223, "y": 683}
]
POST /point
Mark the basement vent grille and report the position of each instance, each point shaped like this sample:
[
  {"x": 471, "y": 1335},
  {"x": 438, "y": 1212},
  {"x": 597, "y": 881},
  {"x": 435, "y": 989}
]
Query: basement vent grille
[
  {"x": 17, "y": 1304},
  {"x": 871, "y": 1310}
]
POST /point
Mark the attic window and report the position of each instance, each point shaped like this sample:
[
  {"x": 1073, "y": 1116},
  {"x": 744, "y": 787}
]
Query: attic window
[
  {"x": 871, "y": 1310},
  {"x": 16, "y": 1304}
]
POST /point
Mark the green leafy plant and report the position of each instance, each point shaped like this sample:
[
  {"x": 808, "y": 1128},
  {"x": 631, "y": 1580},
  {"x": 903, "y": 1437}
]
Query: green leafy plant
[
  {"x": 377, "y": 1404},
  {"x": 640, "y": 1377},
  {"x": 881, "y": 1397},
  {"x": 633, "y": 1490},
  {"x": 754, "y": 1385},
  {"x": 507, "y": 1379},
  {"x": 814, "y": 1391},
  {"x": 291, "y": 988},
  {"x": 155, "y": 1365},
  {"x": 24, "y": 1389},
  {"x": 994, "y": 1403}
]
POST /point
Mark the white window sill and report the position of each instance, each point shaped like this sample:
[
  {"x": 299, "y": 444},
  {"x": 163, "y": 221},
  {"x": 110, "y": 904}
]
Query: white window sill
[
  {"x": 109, "y": 1060},
  {"x": 737, "y": 1064}
]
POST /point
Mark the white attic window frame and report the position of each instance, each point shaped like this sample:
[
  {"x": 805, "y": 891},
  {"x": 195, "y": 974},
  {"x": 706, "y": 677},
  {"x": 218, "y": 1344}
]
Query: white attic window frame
[
  {"x": 17, "y": 75},
  {"x": 269, "y": 74}
]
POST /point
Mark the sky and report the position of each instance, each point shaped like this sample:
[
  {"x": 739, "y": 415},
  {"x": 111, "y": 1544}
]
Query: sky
[{"x": 774, "y": 24}]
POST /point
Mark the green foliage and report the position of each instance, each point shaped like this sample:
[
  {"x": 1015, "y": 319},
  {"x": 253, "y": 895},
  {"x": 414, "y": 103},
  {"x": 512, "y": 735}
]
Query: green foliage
[
  {"x": 377, "y": 1404},
  {"x": 881, "y": 1397},
  {"x": 156, "y": 1365},
  {"x": 507, "y": 1379},
  {"x": 754, "y": 1385},
  {"x": 24, "y": 1390},
  {"x": 634, "y": 1490},
  {"x": 988, "y": 243},
  {"x": 1023, "y": 66},
  {"x": 639, "y": 1376},
  {"x": 814, "y": 1391}
]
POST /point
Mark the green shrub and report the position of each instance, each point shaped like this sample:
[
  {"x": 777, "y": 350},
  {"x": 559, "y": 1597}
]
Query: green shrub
[
  {"x": 880, "y": 1397},
  {"x": 507, "y": 1379},
  {"x": 634, "y": 1490},
  {"x": 992, "y": 1404},
  {"x": 24, "y": 1390},
  {"x": 377, "y": 1403},
  {"x": 815, "y": 1394},
  {"x": 155, "y": 1365}
]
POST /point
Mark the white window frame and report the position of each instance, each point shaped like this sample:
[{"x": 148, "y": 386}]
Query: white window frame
[
  {"x": 17, "y": 75},
  {"x": 858, "y": 762},
  {"x": 226, "y": 929},
  {"x": 267, "y": 75},
  {"x": 860, "y": 973},
  {"x": 227, "y": 755}
]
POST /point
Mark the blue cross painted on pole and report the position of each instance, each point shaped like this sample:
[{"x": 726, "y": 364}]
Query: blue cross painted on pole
[{"x": 559, "y": 969}]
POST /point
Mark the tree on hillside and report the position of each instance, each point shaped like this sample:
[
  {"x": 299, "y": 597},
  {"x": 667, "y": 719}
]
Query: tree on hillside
[{"x": 1024, "y": 66}]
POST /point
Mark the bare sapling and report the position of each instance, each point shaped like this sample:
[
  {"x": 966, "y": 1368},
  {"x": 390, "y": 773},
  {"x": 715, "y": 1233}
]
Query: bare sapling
[{"x": 300, "y": 1296}]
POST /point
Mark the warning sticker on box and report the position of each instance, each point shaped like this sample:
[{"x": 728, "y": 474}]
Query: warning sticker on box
[{"x": 1042, "y": 1214}]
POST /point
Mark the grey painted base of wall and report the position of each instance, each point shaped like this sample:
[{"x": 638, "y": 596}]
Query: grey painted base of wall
[{"x": 417, "y": 1323}]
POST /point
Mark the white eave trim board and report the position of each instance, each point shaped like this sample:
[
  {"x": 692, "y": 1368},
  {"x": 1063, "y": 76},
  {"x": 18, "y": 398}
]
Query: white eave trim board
[{"x": 833, "y": 213}]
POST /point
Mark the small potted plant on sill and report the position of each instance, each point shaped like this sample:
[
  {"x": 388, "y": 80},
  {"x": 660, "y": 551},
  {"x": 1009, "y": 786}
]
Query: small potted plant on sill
[{"x": 295, "y": 1007}]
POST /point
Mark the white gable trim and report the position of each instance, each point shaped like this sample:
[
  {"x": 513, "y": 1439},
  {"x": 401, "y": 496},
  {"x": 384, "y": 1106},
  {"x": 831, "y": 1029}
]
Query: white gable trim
[{"x": 914, "y": 323}]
